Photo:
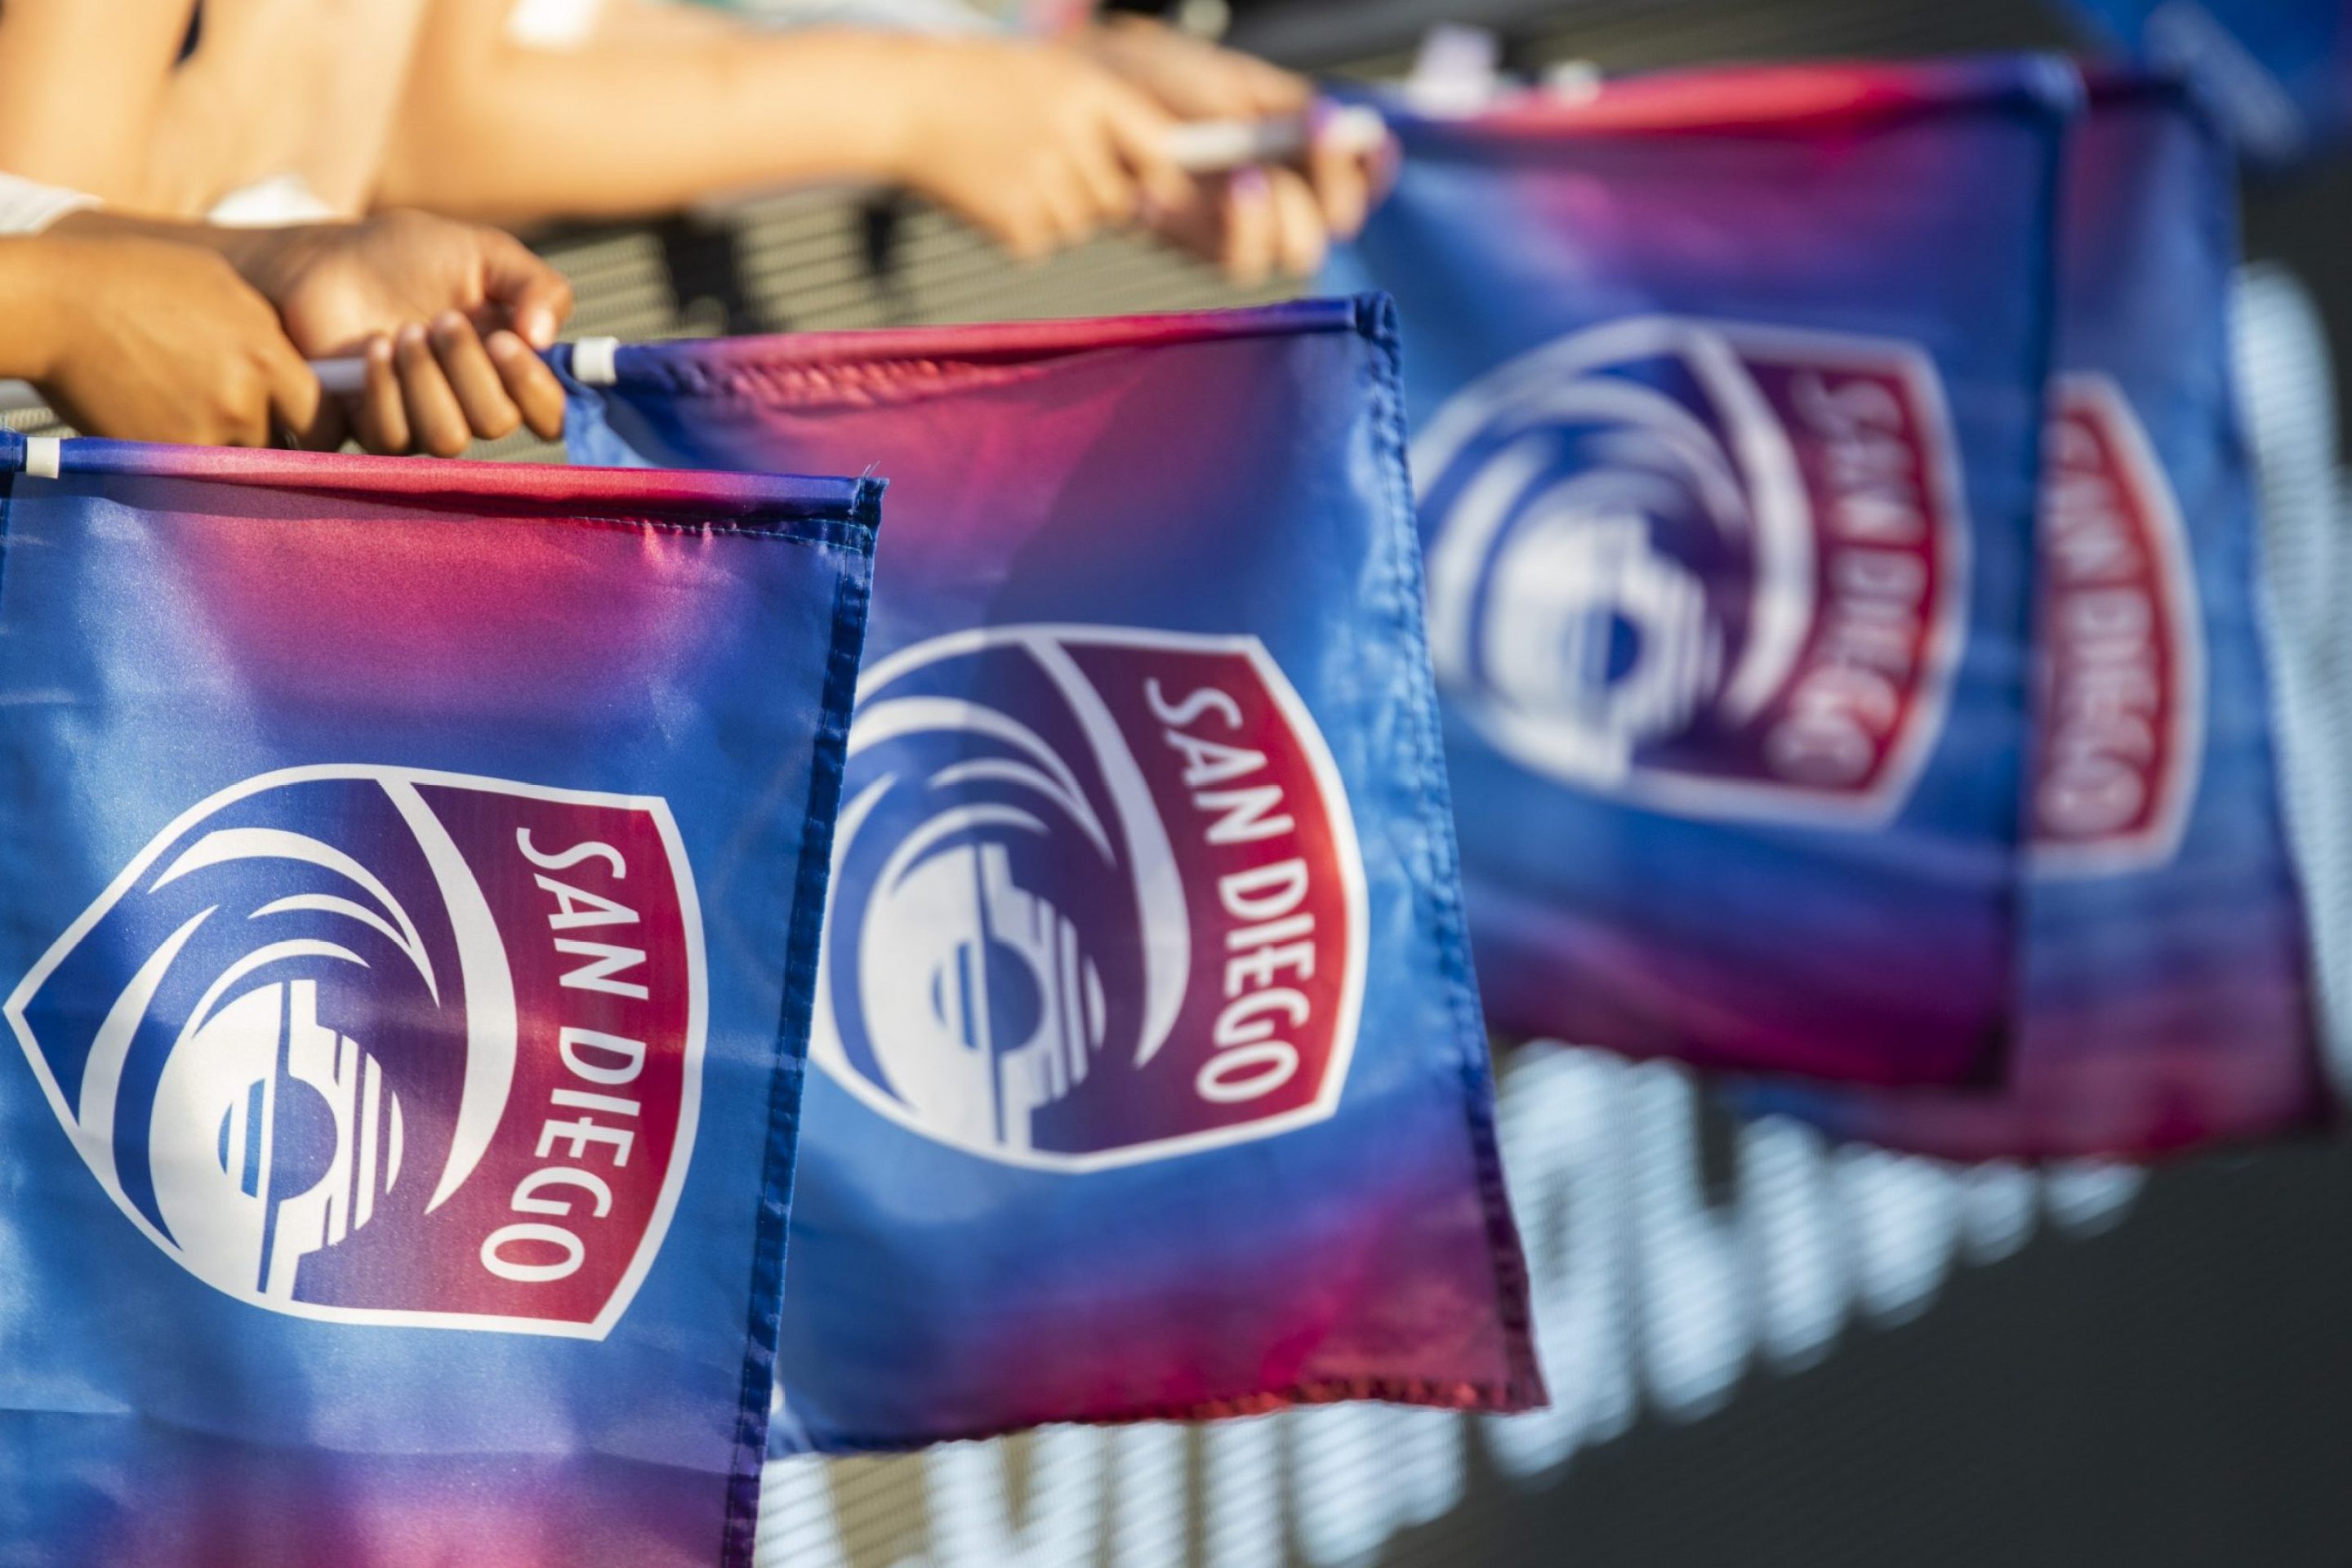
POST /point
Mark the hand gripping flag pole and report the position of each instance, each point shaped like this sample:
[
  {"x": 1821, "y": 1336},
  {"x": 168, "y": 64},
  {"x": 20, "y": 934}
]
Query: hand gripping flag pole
[{"x": 1200, "y": 147}]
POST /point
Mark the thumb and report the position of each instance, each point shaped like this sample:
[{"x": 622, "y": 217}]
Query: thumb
[
  {"x": 535, "y": 298},
  {"x": 299, "y": 408},
  {"x": 1144, "y": 134}
]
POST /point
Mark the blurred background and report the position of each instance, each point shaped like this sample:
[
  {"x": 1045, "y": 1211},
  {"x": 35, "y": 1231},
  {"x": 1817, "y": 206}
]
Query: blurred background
[{"x": 1764, "y": 1349}]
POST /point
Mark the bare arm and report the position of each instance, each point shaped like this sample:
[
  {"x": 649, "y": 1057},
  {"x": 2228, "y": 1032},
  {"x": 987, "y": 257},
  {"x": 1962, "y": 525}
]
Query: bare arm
[
  {"x": 94, "y": 96},
  {"x": 82, "y": 92},
  {"x": 496, "y": 131},
  {"x": 1034, "y": 142}
]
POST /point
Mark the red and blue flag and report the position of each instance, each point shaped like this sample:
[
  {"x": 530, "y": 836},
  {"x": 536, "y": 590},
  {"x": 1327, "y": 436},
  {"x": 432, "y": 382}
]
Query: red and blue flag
[
  {"x": 2167, "y": 997},
  {"x": 1727, "y": 393},
  {"x": 1151, "y": 1081},
  {"x": 413, "y": 875},
  {"x": 2277, "y": 73}
]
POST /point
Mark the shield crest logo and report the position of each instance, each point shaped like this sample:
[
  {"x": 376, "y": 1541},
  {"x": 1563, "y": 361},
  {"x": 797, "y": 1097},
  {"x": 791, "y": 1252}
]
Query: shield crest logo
[
  {"x": 1718, "y": 569},
  {"x": 1097, "y": 898},
  {"x": 384, "y": 1046}
]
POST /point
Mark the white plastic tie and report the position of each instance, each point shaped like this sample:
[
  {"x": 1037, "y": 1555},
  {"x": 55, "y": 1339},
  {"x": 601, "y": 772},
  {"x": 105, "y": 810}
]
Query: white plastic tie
[
  {"x": 42, "y": 455},
  {"x": 595, "y": 361}
]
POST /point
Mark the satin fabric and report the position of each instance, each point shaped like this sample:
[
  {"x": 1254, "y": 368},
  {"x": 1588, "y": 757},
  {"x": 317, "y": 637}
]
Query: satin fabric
[
  {"x": 329, "y": 759},
  {"x": 1175, "y": 551},
  {"x": 1726, "y": 390},
  {"x": 2167, "y": 997}
]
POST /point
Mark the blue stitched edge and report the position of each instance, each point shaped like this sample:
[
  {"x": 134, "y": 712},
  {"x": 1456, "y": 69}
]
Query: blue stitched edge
[
  {"x": 830, "y": 759},
  {"x": 1997, "y": 1060},
  {"x": 800, "y": 508},
  {"x": 11, "y": 463},
  {"x": 1376, "y": 319}
]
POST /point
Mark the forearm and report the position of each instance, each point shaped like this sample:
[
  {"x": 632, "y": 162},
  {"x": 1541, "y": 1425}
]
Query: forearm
[
  {"x": 238, "y": 247},
  {"x": 514, "y": 134}
]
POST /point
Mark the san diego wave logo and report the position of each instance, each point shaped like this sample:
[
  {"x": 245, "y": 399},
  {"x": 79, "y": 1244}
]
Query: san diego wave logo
[
  {"x": 384, "y": 1045},
  {"x": 1707, "y": 567},
  {"x": 2119, "y": 702},
  {"x": 1097, "y": 898}
]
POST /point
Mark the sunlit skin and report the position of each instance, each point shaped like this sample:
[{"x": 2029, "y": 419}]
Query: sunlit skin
[
  {"x": 154, "y": 330},
  {"x": 430, "y": 103}
]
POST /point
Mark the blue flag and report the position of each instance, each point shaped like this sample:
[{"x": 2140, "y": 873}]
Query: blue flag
[
  {"x": 1152, "y": 1082},
  {"x": 409, "y": 894},
  {"x": 2277, "y": 72},
  {"x": 2166, "y": 992},
  {"x": 1727, "y": 392}
]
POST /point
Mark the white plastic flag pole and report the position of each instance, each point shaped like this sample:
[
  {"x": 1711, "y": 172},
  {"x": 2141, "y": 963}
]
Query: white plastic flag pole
[
  {"x": 1213, "y": 146},
  {"x": 339, "y": 377}
]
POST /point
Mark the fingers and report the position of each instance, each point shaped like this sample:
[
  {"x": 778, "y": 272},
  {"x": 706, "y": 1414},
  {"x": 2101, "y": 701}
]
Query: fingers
[
  {"x": 1111, "y": 193},
  {"x": 1142, "y": 133},
  {"x": 535, "y": 297},
  {"x": 1270, "y": 223},
  {"x": 329, "y": 431},
  {"x": 1340, "y": 176},
  {"x": 236, "y": 412},
  {"x": 436, "y": 390},
  {"x": 381, "y": 418},
  {"x": 1270, "y": 218},
  {"x": 1193, "y": 78},
  {"x": 1068, "y": 207},
  {"x": 473, "y": 379},
  {"x": 435, "y": 419},
  {"x": 536, "y": 392},
  {"x": 1271, "y": 91},
  {"x": 1083, "y": 186},
  {"x": 1104, "y": 173},
  {"x": 1300, "y": 241},
  {"x": 1021, "y": 225},
  {"x": 1230, "y": 85},
  {"x": 1248, "y": 252},
  {"x": 295, "y": 404}
]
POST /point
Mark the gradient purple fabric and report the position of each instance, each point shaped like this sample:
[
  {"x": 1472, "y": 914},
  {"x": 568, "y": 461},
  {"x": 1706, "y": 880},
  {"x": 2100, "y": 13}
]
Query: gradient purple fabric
[
  {"x": 1727, "y": 391},
  {"x": 1152, "y": 1082},
  {"x": 2167, "y": 998},
  {"x": 410, "y": 890}
]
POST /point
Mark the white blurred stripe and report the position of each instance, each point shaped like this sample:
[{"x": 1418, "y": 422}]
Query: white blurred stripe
[{"x": 2287, "y": 388}]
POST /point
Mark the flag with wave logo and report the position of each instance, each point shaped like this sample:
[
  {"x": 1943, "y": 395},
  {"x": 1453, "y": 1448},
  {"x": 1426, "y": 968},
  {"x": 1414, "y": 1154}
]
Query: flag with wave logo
[
  {"x": 413, "y": 875},
  {"x": 1151, "y": 1079},
  {"x": 2167, "y": 997},
  {"x": 1726, "y": 390}
]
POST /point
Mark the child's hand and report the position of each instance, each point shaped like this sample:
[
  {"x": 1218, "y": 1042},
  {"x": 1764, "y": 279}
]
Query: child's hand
[
  {"x": 1254, "y": 222},
  {"x": 149, "y": 341},
  {"x": 1193, "y": 79},
  {"x": 1035, "y": 143},
  {"x": 448, "y": 315}
]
